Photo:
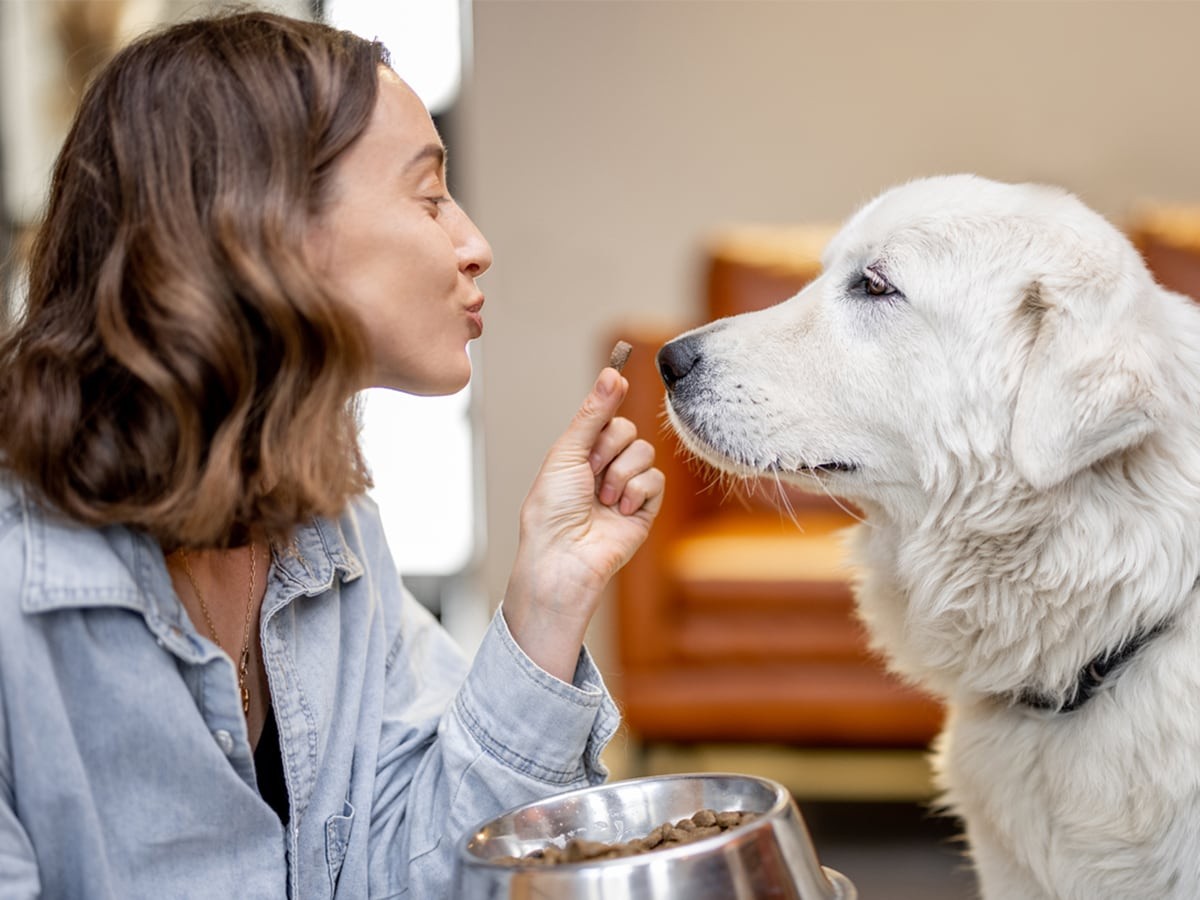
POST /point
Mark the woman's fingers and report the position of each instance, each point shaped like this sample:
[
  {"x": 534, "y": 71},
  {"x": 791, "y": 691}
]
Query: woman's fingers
[
  {"x": 622, "y": 483},
  {"x": 642, "y": 491},
  {"x": 616, "y": 436},
  {"x": 595, "y": 414}
]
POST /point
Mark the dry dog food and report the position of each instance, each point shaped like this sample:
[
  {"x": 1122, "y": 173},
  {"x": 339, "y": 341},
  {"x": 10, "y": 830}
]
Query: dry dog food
[
  {"x": 703, "y": 824},
  {"x": 620, "y": 355}
]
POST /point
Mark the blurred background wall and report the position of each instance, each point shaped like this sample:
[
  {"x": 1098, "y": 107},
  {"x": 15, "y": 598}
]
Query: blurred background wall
[{"x": 599, "y": 142}]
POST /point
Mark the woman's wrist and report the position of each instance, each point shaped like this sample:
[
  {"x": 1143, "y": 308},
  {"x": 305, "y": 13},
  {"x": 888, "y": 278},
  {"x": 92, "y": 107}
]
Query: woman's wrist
[
  {"x": 548, "y": 609},
  {"x": 550, "y": 649}
]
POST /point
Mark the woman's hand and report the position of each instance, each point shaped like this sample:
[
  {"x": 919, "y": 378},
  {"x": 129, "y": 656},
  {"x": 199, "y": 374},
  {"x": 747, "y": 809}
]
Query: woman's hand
[{"x": 589, "y": 509}]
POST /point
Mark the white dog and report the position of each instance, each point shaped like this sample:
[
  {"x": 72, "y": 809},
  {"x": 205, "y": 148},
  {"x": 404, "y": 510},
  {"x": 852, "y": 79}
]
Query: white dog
[{"x": 992, "y": 375}]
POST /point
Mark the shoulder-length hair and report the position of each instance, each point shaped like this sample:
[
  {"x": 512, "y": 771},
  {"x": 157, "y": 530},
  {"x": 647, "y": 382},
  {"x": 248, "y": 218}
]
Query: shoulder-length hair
[{"x": 180, "y": 369}]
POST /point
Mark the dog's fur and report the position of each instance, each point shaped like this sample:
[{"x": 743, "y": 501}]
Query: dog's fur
[{"x": 1020, "y": 422}]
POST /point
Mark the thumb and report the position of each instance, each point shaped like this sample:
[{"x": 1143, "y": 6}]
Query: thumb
[{"x": 595, "y": 412}]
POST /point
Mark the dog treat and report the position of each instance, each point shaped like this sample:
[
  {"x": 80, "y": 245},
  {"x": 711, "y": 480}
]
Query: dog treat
[
  {"x": 705, "y": 823},
  {"x": 620, "y": 355}
]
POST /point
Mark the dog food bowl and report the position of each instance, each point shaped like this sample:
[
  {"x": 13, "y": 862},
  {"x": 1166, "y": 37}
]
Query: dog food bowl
[{"x": 770, "y": 856}]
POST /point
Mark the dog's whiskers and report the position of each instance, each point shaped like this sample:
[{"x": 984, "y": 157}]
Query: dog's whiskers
[
  {"x": 861, "y": 520},
  {"x": 783, "y": 501},
  {"x": 837, "y": 500},
  {"x": 713, "y": 479}
]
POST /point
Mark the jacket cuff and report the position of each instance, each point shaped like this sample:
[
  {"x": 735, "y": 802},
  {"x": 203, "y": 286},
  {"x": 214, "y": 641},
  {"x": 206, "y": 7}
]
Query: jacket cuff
[{"x": 531, "y": 721}]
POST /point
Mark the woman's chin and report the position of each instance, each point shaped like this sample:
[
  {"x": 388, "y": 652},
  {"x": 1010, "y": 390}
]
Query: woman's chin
[{"x": 426, "y": 384}]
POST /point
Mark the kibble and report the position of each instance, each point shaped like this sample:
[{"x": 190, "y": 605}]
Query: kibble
[
  {"x": 705, "y": 823},
  {"x": 620, "y": 355}
]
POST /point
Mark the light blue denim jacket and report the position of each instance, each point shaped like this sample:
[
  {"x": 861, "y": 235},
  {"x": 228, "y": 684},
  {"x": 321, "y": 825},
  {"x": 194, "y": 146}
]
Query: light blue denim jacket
[{"x": 125, "y": 768}]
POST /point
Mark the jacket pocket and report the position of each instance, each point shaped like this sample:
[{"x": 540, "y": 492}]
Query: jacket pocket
[{"x": 337, "y": 840}]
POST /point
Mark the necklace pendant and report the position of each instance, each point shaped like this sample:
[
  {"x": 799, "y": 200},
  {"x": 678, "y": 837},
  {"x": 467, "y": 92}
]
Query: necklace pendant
[{"x": 242, "y": 682}]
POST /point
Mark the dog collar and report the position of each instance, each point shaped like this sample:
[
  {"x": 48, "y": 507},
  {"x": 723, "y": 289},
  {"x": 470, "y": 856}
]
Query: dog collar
[{"x": 1103, "y": 668}]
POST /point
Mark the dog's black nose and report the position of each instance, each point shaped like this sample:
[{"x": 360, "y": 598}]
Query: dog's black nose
[{"x": 678, "y": 358}]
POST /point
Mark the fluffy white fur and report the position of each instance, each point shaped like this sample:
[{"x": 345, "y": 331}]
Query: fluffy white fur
[{"x": 1020, "y": 422}]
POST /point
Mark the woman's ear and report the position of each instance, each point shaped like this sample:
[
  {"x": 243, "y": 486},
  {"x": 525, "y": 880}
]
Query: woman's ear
[{"x": 1091, "y": 385}]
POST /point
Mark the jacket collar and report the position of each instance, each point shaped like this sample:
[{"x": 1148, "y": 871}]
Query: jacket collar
[
  {"x": 72, "y": 566},
  {"x": 68, "y": 565},
  {"x": 317, "y": 553}
]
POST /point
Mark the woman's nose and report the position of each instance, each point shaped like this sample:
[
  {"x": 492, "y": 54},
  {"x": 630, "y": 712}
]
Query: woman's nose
[{"x": 474, "y": 252}]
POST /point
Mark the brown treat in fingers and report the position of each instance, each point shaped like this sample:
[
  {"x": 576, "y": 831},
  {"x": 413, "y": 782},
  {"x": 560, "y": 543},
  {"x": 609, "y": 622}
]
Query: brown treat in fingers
[{"x": 620, "y": 355}]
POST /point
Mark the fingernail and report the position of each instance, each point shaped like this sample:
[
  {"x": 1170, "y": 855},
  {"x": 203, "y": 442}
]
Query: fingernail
[
  {"x": 603, "y": 386},
  {"x": 607, "y": 495}
]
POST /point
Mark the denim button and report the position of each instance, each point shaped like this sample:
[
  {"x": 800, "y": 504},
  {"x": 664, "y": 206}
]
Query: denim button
[{"x": 224, "y": 741}]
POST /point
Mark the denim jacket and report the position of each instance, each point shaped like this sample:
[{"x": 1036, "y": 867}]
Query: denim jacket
[{"x": 125, "y": 767}]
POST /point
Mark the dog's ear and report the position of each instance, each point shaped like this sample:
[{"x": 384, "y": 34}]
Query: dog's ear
[{"x": 1091, "y": 382}]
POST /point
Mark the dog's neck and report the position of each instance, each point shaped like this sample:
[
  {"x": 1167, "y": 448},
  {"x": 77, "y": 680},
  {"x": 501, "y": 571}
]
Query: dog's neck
[
  {"x": 1096, "y": 675},
  {"x": 967, "y": 600}
]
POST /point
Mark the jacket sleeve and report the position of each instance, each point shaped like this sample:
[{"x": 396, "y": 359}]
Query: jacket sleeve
[{"x": 455, "y": 752}]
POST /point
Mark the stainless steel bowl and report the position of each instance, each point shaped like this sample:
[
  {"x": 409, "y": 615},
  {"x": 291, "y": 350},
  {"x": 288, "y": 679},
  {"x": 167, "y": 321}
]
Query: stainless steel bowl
[{"x": 769, "y": 857}]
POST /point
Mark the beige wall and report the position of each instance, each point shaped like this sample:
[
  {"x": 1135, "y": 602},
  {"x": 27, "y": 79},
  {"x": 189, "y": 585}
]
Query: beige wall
[{"x": 601, "y": 140}]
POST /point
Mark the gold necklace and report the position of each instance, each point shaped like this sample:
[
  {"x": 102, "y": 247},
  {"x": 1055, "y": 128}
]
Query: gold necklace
[{"x": 244, "y": 664}]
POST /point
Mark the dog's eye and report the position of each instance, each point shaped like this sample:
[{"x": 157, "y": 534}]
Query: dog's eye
[{"x": 875, "y": 284}]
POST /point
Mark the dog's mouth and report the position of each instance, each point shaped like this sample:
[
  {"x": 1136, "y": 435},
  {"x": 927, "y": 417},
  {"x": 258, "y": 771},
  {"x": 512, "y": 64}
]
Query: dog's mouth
[
  {"x": 777, "y": 468},
  {"x": 827, "y": 468},
  {"x": 728, "y": 459}
]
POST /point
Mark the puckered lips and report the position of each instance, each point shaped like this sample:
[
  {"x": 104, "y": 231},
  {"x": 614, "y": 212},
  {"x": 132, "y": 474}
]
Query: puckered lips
[{"x": 475, "y": 317}]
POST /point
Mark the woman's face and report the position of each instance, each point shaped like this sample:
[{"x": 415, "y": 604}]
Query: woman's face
[{"x": 399, "y": 251}]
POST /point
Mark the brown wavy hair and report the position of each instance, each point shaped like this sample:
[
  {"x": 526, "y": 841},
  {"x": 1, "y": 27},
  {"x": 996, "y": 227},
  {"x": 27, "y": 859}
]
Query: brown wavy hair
[{"x": 180, "y": 369}]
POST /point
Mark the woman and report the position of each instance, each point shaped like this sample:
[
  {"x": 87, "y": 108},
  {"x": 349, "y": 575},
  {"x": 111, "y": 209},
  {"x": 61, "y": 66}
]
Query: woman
[{"x": 212, "y": 683}]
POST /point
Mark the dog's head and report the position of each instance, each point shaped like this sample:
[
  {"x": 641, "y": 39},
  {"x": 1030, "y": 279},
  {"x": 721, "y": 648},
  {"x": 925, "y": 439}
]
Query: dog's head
[{"x": 961, "y": 329}]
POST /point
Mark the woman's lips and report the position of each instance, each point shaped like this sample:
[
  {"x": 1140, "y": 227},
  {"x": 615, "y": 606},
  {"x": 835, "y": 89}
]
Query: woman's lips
[{"x": 475, "y": 316}]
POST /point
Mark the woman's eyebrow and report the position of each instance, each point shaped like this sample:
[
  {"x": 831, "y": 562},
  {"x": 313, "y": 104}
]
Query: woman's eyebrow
[{"x": 435, "y": 152}]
